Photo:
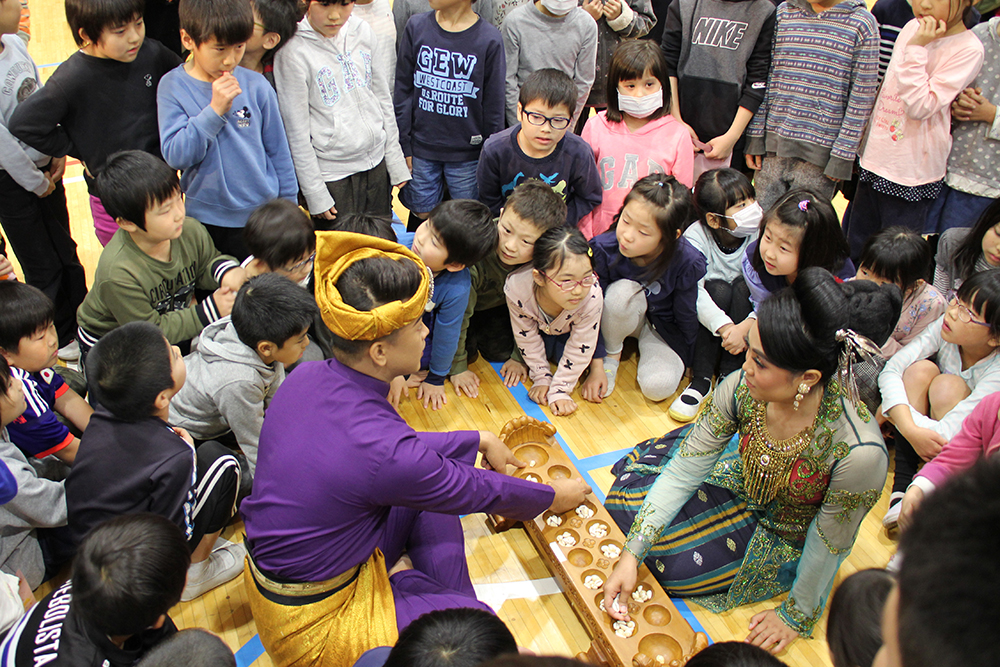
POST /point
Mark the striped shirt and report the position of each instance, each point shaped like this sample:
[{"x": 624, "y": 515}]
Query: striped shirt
[{"x": 821, "y": 87}]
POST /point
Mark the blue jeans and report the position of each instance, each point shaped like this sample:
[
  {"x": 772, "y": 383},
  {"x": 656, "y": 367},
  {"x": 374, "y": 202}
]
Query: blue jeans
[
  {"x": 426, "y": 189},
  {"x": 954, "y": 208}
]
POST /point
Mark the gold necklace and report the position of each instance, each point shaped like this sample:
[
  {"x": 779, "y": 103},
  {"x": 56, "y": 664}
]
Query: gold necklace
[{"x": 767, "y": 463}]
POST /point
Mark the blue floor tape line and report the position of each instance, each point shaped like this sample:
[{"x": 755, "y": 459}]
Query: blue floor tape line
[
  {"x": 249, "y": 652},
  {"x": 604, "y": 460}
]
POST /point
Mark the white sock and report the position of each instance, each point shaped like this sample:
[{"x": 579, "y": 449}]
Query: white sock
[{"x": 611, "y": 370}]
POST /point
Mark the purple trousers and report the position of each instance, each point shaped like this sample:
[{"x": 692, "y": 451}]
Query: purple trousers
[{"x": 440, "y": 575}]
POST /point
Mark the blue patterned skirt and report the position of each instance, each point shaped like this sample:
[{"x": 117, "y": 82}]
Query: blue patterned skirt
[{"x": 704, "y": 548}]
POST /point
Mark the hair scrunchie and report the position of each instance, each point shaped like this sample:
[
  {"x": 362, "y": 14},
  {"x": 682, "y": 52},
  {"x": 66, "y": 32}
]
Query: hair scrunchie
[{"x": 335, "y": 253}]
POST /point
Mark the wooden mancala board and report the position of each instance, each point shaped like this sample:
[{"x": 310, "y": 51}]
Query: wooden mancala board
[{"x": 581, "y": 548}]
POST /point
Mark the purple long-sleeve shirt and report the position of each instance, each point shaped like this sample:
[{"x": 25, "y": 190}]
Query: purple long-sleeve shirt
[{"x": 335, "y": 457}]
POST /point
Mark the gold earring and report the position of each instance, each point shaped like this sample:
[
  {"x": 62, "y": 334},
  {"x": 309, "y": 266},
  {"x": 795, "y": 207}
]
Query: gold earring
[{"x": 803, "y": 392}]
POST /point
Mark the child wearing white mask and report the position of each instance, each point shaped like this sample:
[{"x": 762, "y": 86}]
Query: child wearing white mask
[
  {"x": 728, "y": 219},
  {"x": 549, "y": 33},
  {"x": 636, "y": 135}
]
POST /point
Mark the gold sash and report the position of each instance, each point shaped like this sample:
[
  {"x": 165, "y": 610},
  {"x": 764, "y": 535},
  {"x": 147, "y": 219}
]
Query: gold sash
[{"x": 332, "y": 632}]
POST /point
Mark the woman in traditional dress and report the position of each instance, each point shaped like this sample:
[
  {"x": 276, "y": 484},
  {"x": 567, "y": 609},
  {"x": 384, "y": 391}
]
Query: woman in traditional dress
[{"x": 733, "y": 520}]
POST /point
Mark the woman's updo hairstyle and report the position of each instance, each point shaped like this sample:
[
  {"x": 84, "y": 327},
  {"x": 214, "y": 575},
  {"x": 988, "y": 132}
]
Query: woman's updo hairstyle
[{"x": 798, "y": 325}]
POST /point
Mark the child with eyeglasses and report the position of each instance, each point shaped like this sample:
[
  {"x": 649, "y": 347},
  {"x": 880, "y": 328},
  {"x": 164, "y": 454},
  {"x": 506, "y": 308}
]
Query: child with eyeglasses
[
  {"x": 927, "y": 400},
  {"x": 539, "y": 148},
  {"x": 555, "y": 311}
]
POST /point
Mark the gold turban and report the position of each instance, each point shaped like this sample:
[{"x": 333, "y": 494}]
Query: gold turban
[{"x": 335, "y": 252}]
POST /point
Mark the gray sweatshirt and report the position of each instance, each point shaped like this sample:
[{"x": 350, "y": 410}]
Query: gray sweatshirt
[
  {"x": 336, "y": 104},
  {"x": 533, "y": 40},
  {"x": 40, "y": 503},
  {"x": 228, "y": 387}
]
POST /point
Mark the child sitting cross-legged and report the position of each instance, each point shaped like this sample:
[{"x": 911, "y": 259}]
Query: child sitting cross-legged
[
  {"x": 240, "y": 362},
  {"x": 532, "y": 209},
  {"x": 555, "y": 312},
  {"x": 132, "y": 461},
  {"x": 150, "y": 270},
  {"x": 127, "y": 574},
  {"x": 28, "y": 342},
  {"x": 458, "y": 233}
]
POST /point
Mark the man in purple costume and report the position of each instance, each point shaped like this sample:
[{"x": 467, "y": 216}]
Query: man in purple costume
[{"x": 344, "y": 487}]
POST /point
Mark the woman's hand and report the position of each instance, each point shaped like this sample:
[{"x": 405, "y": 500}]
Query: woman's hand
[
  {"x": 769, "y": 632},
  {"x": 620, "y": 585},
  {"x": 513, "y": 373},
  {"x": 539, "y": 393}
]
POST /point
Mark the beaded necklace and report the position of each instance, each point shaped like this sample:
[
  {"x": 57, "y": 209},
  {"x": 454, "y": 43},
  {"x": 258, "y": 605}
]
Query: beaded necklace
[{"x": 767, "y": 463}]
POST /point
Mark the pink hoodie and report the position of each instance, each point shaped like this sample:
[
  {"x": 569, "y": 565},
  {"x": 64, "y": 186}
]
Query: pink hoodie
[
  {"x": 979, "y": 437},
  {"x": 623, "y": 157}
]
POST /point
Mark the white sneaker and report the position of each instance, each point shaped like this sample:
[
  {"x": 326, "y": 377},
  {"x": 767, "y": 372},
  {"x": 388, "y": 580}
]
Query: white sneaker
[
  {"x": 611, "y": 370},
  {"x": 70, "y": 352},
  {"x": 685, "y": 407},
  {"x": 891, "y": 518},
  {"x": 895, "y": 563},
  {"x": 225, "y": 563}
]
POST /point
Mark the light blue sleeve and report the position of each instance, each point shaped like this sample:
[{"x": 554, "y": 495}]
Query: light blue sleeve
[
  {"x": 451, "y": 302},
  {"x": 184, "y": 139}
]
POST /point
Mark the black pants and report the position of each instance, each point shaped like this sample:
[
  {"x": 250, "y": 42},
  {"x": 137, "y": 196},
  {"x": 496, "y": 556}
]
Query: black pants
[
  {"x": 228, "y": 241},
  {"x": 734, "y": 299},
  {"x": 490, "y": 335},
  {"x": 39, "y": 234},
  {"x": 215, "y": 490},
  {"x": 364, "y": 192},
  {"x": 908, "y": 462}
]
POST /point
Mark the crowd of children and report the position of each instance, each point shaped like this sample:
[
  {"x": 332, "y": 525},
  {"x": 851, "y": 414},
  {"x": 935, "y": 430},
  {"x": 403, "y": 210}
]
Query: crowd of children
[{"x": 540, "y": 236}]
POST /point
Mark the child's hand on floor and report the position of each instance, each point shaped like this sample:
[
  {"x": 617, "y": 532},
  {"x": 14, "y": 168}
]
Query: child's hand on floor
[
  {"x": 596, "y": 384},
  {"x": 466, "y": 383},
  {"x": 539, "y": 393},
  {"x": 396, "y": 390},
  {"x": 224, "y": 91},
  {"x": 513, "y": 373},
  {"x": 563, "y": 407},
  {"x": 432, "y": 395}
]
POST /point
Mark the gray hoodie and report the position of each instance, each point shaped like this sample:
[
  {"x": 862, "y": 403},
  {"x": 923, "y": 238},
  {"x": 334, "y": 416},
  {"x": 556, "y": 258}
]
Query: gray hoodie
[
  {"x": 228, "y": 387},
  {"x": 335, "y": 101},
  {"x": 39, "y": 503}
]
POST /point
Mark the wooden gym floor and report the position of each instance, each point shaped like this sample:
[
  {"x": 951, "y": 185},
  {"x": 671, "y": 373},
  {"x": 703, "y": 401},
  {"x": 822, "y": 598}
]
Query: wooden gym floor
[{"x": 507, "y": 571}]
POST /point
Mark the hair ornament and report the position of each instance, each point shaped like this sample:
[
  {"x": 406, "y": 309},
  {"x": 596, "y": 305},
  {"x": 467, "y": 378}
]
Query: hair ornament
[
  {"x": 661, "y": 184},
  {"x": 804, "y": 205},
  {"x": 590, "y": 251},
  {"x": 857, "y": 351}
]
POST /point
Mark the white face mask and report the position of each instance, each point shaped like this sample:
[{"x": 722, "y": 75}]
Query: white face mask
[
  {"x": 559, "y": 7},
  {"x": 747, "y": 220},
  {"x": 640, "y": 107}
]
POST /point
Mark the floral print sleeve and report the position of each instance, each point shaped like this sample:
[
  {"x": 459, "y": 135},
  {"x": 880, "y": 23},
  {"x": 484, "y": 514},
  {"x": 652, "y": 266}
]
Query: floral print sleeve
[{"x": 855, "y": 486}]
